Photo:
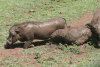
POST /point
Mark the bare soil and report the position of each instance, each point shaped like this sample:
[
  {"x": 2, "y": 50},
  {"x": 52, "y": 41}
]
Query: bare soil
[
  {"x": 15, "y": 53},
  {"x": 86, "y": 18}
]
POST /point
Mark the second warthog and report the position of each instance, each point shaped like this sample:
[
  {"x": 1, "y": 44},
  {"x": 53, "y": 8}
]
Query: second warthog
[
  {"x": 69, "y": 35},
  {"x": 95, "y": 24}
]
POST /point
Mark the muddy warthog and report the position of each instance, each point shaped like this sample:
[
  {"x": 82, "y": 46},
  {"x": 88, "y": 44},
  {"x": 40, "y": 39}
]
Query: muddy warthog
[
  {"x": 95, "y": 24},
  {"x": 27, "y": 31},
  {"x": 69, "y": 35}
]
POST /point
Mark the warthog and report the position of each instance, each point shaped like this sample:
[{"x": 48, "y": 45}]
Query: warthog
[
  {"x": 28, "y": 31},
  {"x": 69, "y": 35},
  {"x": 95, "y": 24}
]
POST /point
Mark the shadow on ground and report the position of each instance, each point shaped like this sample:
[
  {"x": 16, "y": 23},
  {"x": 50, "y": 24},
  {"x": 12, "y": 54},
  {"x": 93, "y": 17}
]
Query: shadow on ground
[
  {"x": 37, "y": 43},
  {"x": 93, "y": 41}
]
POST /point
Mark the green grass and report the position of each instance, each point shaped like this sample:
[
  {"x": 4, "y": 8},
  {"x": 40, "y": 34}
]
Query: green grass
[
  {"x": 74, "y": 49},
  {"x": 9, "y": 62},
  {"x": 12, "y": 62},
  {"x": 73, "y": 11},
  {"x": 34, "y": 50},
  {"x": 92, "y": 60}
]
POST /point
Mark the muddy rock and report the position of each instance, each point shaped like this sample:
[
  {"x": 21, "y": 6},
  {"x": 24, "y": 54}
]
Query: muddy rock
[
  {"x": 64, "y": 1},
  {"x": 98, "y": 0},
  {"x": 95, "y": 24},
  {"x": 62, "y": 11},
  {"x": 32, "y": 10},
  {"x": 8, "y": 24},
  {"x": 77, "y": 35},
  {"x": 6, "y": 16},
  {"x": 51, "y": 6},
  {"x": 15, "y": 9},
  {"x": 2, "y": 15},
  {"x": 25, "y": 14},
  {"x": 46, "y": 3},
  {"x": 58, "y": 0}
]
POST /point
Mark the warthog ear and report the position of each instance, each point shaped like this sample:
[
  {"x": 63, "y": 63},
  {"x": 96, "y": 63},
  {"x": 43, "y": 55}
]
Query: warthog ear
[{"x": 17, "y": 29}]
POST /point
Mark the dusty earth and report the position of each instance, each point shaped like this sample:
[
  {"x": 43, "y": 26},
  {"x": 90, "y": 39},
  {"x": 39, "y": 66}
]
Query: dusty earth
[{"x": 15, "y": 53}]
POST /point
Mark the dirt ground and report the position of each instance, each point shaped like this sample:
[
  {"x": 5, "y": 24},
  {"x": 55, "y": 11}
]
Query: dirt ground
[{"x": 15, "y": 53}]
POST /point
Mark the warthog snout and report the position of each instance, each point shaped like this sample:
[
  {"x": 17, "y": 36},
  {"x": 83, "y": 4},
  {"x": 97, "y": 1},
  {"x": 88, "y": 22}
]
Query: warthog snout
[{"x": 8, "y": 44}]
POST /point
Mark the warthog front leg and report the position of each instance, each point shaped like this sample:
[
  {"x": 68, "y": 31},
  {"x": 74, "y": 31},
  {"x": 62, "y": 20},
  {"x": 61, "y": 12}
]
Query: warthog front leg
[{"x": 27, "y": 44}]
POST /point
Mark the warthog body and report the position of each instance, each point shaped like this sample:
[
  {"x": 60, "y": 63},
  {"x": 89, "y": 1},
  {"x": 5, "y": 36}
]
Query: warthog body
[
  {"x": 69, "y": 35},
  {"x": 28, "y": 31}
]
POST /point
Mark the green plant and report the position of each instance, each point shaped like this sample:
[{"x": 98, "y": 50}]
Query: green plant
[
  {"x": 12, "y": 65},
  {"x": 38, "y": 55},
  {"x": 62, "y": 47},
  {"x": 26, "y": 60},
  {"x": 34, "y": 50},
  {"x": 93, "y": 42},
  {"x": 50, "y": 59},
  {"x": 47, "y": 44},
  {"x": 74, "y": 49},
  {"x": 70, "y": 62}
]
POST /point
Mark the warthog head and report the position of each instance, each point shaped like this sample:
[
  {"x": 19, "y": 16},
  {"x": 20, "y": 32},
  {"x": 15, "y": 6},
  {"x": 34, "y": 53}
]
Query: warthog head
[{"x": 13, "y": 36}]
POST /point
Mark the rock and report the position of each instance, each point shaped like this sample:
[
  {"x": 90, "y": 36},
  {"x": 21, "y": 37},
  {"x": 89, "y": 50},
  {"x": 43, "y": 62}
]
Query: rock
[
  {"x": 63, "y": 1},
  {"x": 58, "y": 0},
  {"x": 25, "y": 14},
  {"x": 32, "y": 10},
  {"x": 7, "y": 19},
  {"x": 2, "y": 15},
  {"x": 6, "y": 16},
  {"x": 52, "y": 0},
  {"x": 46, "y": 3},
  {"x": 8, "y": 24},
  {"x": 98, "y": 0},
  {"x": 51, "y": 6},
  {"x": 62, "y": 11},
  {"x": 15, "y": 9}
]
